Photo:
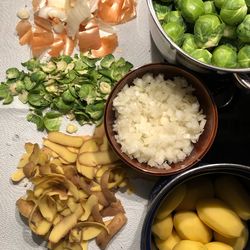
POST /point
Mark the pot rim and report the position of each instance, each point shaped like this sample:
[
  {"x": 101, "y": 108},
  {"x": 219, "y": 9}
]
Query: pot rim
[
  {"x": 174, "y": 181},
  {"x": 183, "y": 53}
]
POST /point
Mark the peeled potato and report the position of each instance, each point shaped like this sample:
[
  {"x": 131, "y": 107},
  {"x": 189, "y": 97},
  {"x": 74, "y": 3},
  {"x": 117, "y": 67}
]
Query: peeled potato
[
  {"x": 230, "y": 190},
  {"x": 172, "y": 201},
  {"x": 238, "y": 243},
  {"x": 169, "y": 243},
  {"x": 163, "y": 228},
  {"x": 196, "y": 189},
  {"x": 220, "y": 217},
  {"x": 189, "y": 245},
  {"x": 215, "y": 245},
  {"x": 190, "y": 227}
]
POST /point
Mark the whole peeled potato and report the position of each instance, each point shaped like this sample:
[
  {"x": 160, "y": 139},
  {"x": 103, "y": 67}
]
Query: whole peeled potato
[
  {"x": 190, "y": 227},
  {"x": 189, "y": 245},
  {"x": 163, "y": 228},
  {"x": 169, "y": 243},
  {"x": 220, "y": 217},
  {"x": 172, "y": 201},
  {"x": 215, "y": 245},
  {"x": 229, "y": 189},
  {"x": 196, "y": 189},
  {"x": 238, "y": 243}
]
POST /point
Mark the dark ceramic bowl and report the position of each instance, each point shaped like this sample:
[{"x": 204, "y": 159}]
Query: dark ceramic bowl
[
  {"x": 206, "y": 102},
  {"x": 165, "y": 187}
]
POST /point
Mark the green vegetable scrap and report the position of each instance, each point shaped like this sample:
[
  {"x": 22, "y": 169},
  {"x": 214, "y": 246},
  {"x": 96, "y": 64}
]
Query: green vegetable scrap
[
  {"x": 205, "y": 29},
  {"x": 74, "y": 86}
]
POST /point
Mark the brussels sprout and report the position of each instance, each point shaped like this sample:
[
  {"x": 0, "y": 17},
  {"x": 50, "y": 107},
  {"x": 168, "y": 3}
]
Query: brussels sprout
[
  {"x": 12, "y": 73},
  {"x": 230, "y": 32},
  {"x": 175, "y": 31},
  {"x": 37, "y": 100},
  {"x": 37, "y": 119},
  {"x": 28, "y": 83},
  {"x": 243, "y": 30},
  {"x": 95, "y": 110},
  {"x": 208, "y": 30},
  {"x": 209, "y": 7},
  {"x": 32, "y": 64},
  {"x": 107, "y": 61},
  {"x": 87, "y": 93},
  {"x": 189, "y": 44},
  {"x": 49, "y": 67},
  {"x": 4, "y": 90},
  {"x": 38, "y": 76},
  {"x": 233, "y": 11},
  {"x": 177, "y": 4},
  {"x": 225, "y": 56},
  {"x": 67, "y": 96},
  {"x": 174, "y": 16},
  {"x": 161, "y": 10},
  {"x": 192, "y": 9},
  {"x": 52, "y": 121},
  {"x": 244, "y": 57},
  {"x": 248, "y": 5},
  {"x": 219, "y": 3},
  {"x": 202, "y": 55}
]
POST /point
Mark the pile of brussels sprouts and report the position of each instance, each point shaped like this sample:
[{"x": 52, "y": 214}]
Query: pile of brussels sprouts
[{"x": 215, "y": 32}]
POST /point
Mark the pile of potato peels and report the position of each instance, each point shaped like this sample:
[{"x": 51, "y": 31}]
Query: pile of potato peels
[{"x": 72, "y": 199}]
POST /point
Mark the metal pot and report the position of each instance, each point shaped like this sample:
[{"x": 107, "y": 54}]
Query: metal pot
[
  {"x": 175, "y": 55},
  {"x": 164, "y": 187}
]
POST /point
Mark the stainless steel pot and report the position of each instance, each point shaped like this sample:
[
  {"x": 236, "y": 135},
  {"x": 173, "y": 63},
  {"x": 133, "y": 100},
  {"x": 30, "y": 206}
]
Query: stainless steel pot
[{"x": 175, "y": 55}]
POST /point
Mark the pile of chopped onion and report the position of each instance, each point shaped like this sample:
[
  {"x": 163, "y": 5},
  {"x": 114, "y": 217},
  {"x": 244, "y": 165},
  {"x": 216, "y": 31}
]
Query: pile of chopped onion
[{"x": 60, "y": 25}]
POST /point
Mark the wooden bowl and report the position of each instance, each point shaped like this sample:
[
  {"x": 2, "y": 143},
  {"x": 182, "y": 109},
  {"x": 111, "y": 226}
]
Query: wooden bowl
[{"x": 207, "y": 104}]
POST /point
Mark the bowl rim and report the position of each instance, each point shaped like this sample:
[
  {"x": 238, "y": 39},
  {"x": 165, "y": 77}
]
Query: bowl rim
[
  {"x": 151, "y": 170},
  {"x": 169, "y": 184},
  {"x": 204, "y": 65}
]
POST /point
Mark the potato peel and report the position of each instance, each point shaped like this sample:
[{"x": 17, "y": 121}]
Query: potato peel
[{"x": 69, "y": 200}]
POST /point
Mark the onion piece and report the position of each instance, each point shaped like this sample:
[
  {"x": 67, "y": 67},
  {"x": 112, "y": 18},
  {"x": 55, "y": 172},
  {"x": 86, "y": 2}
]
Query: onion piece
[
  {"x": 93, "y": 5},
  {"x": 56, "y": 48},
  {"x": 23, "y": 27},
  {"x": 116, "y": 11},
  {"x": 76, "y": 15},
  {"x": 35, "y": 5},
  {"x": 43, "y": 23},
  {"x": 90, "y": 37},
  {"x": 108, "y": 45},
  {"x": 69, "y": 46},
  {"x": 26, "y": 38},
  {"x": 42, "y": 39}
]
